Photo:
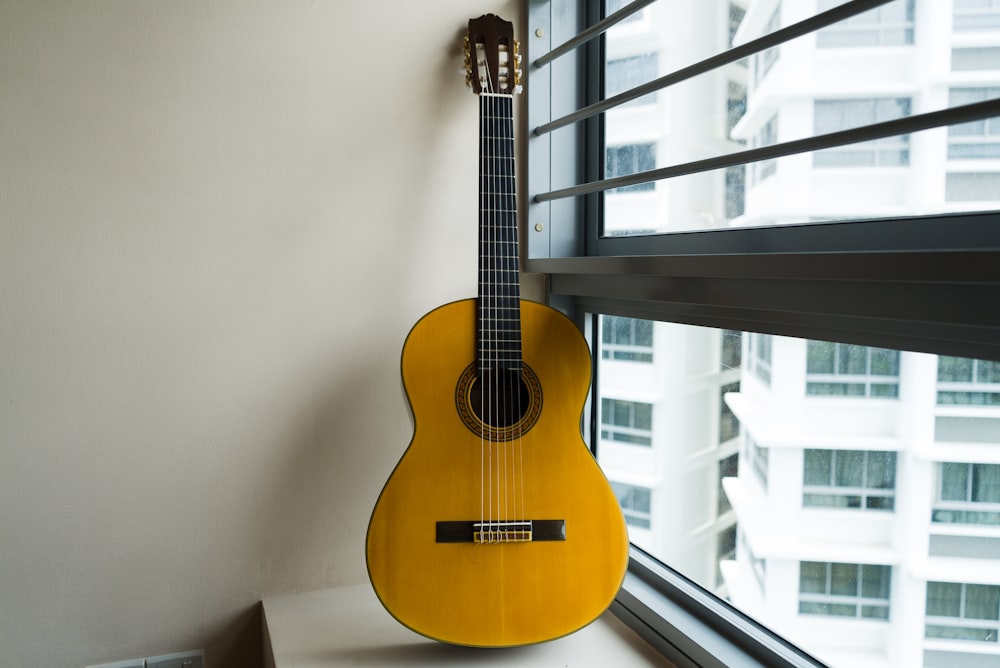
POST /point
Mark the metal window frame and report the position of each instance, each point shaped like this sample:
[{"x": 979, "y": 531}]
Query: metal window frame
[{"x": 923, "y": 284}]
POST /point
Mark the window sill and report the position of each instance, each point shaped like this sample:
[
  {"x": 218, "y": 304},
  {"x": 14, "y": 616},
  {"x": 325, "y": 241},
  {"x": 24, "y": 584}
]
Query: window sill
[{"x": 347, "y": 625}]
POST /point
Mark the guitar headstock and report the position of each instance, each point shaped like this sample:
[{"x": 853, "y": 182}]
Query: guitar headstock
[{"x": 492, "y": 58}]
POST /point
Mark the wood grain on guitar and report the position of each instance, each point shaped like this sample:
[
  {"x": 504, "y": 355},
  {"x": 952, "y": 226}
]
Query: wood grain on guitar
[{"x": 497, "y": 527}]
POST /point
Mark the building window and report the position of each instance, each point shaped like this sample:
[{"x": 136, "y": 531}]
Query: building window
[
  {"x": 630, "y": 159},
  {"x": 760, "y": 356},
  {"x": 844, "y": 590},
  {"x": 968, "y": 15},
  {"x": 765, "y": 60},
  {"x": 759, "y": 565},
  {"x": 732, "y": 349},
  {"x": 626, "y": 339},
  {"x": 888, "y": 25},
  {"x": 978, "y": 139},
  {"x": 736, "y": 106},
  {"x": 636, "y": 503},
  {"x": 758, "y": 458},
  {"x": 849, "y": 479},
  {"x": 767, "y": 136},
  {"x": 728, "y": 467},
  {"x": 736, "y": 189},
  {"x": 968, "y": 382},
  {"x": 627, "y": 422},
  {"x": 612, "y": 6},
  {"x": 972, "y": 186},
  {"x": 964, "y": 59},
  {"x": 960, "y": 611},
  {"x": 729, "y": 424},
  {"x": 968, "y": 494},
  {"x": 842, "y": 369},
  {"x": 621, "y": 74},
  {"x": 835, "y": 115}
]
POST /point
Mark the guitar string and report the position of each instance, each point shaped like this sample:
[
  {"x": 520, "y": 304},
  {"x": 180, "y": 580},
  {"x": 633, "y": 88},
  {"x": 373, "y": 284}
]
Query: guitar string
[
  {"x": 512, "y": 204},
  {"x": 487, "y": 391},
  {"x": 483, "y": 477},
  {"x": 503, "y": 249}
]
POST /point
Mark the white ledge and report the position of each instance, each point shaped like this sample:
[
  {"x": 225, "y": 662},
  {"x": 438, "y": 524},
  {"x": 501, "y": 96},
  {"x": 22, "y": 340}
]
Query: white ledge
[{"x": 349, "y": 626}]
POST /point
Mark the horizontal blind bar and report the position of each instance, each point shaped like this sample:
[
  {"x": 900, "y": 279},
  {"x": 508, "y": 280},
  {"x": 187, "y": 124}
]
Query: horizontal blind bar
[
  {"x": 713, "y": 62},
  {"x": 933, "y": 119},
  {"x": 592, "y": 32}
]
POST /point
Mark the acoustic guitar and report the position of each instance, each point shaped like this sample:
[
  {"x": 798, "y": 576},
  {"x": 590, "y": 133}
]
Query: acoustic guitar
[{"x": 497, "y": 527}]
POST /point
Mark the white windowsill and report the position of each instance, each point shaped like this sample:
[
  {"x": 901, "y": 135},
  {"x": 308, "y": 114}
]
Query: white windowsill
[{"x": 348, "y": 625}]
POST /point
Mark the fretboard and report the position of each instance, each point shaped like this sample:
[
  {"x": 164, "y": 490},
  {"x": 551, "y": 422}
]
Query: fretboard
[{"x": 499, "y": 327}]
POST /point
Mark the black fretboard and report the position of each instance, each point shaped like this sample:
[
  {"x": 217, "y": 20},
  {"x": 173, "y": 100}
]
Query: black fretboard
[{"x": 499, "y": 327}]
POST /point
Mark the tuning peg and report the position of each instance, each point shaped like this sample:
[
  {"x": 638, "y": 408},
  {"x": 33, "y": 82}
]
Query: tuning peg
[{"x": 468, "y": 79}]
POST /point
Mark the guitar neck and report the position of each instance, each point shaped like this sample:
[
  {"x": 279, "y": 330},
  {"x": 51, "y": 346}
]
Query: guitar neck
[{"x": 499, "y": 289}]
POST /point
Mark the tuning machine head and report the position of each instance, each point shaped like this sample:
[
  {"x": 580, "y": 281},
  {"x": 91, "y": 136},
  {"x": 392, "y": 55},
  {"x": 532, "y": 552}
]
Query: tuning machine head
[{"x": 518, "y": 83}]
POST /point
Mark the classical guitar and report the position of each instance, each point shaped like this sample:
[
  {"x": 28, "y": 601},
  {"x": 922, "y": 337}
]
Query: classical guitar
[{"x": 497, "y": 527}]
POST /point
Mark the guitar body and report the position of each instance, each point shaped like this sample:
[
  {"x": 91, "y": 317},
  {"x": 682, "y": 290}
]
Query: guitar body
[{"x": 517, "y": 589}]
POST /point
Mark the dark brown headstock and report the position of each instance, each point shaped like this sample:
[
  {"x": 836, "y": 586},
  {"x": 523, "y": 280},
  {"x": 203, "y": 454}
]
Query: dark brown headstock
[{"x": 492, "y": 61}]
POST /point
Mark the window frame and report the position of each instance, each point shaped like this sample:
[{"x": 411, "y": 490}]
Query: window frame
[{"x": 927, "y": 278}]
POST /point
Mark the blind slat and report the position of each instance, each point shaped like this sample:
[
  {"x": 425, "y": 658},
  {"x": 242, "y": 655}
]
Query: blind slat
[
  {"x": 900, "y": 126},
  {"x": 785, "y": 34}
]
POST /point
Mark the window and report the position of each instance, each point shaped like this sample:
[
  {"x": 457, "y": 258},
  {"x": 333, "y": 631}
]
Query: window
[
  {"x": 979, "y": 139},
  {"x": 970, "y": 15},
  {"x": 768, "y": 136},
  {"x": 764, "y": 61},
  {"x": 826, "y": 248},
  {"x": 844, "y": 590},
  {"x": 888, "y": 25},
  {"x": 837, "y": 369},
  {"x": 968, "y": 494},
  {"x": 964, "y": 59},
  {"x": 834, "y": 115},
  {"x": 758, "y": 565},
  {"x": 630, "y": 71},
  {"x": 627, "y": 421},
  {"x": 971, "y": 186},
  {"x": 627, "y": 339},
  {"x": 968, "y": 382},
  {"x": 757, "y": 456},
  {"x": 614, "y": 5},
  {"x": 635, "y": 502},
  {"x": 729, "y": 424},
  {"x": 760, "y": 356},
  {"x": 728, "y": 468},
  {"x": 849, "y": 479},
  {"x": 630, "y": 159},
  {"x": 732, "y": 349},
  {"x": 961, "y": 611},
  {"x": 736, "y": 106}
]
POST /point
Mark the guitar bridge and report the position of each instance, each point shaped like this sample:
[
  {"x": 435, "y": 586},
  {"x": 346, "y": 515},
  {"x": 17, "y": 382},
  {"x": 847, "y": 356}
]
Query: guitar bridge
[{"x": 501, "y": 531}]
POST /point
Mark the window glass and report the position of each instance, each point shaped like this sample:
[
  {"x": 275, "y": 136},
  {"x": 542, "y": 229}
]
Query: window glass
[
  {"x": 888, "y": 25},
  {"x": 789, "y": 504},
  {"x": 867, "y": 69},
  {"x": 834, "y": 115},
  {"x": 975, "y": 15}
]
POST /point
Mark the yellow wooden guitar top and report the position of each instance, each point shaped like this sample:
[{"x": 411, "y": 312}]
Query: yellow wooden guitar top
[{"x": 506, "y": 592}]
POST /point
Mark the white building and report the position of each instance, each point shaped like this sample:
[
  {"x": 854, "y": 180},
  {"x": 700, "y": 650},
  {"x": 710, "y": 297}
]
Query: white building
[{"x": 864, "y": 521}]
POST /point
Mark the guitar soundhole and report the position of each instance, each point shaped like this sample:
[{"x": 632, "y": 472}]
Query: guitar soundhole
[
  {"x": 499, "y": 404},
  {"x": 499, "y": 398}
]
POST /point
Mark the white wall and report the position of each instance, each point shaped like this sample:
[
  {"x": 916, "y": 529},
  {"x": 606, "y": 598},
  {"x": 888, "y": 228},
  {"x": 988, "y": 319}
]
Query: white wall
[{"x": 217, "y": 223}]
